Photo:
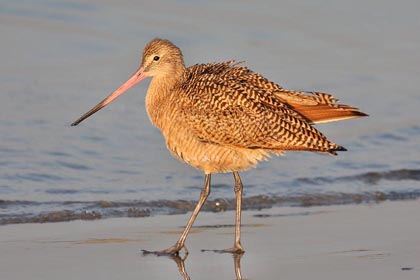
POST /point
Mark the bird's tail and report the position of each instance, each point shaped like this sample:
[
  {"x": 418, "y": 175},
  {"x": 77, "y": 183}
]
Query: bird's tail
[{"x": 319, "y": 107}]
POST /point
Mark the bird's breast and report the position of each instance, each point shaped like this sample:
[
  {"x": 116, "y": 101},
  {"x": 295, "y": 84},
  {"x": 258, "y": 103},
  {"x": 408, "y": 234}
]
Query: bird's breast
[
  {"x": 206, "y": 156},
  {"x": 165, "y": 108}
]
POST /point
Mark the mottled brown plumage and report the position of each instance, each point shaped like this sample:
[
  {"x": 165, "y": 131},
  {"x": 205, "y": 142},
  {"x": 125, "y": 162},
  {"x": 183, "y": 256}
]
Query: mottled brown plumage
[{"x": 222, "y": 117}]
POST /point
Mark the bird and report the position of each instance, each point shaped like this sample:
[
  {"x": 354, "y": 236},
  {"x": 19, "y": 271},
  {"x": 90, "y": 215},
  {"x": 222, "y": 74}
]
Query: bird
[{"x": 223, "y": 117}]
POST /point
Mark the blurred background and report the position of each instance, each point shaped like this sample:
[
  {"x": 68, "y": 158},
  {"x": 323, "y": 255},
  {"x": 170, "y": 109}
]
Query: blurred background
[{"x": 59, "y": 58}]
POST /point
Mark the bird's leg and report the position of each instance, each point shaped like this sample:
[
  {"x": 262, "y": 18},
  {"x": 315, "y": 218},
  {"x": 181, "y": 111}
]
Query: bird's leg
[
  {"x": 173, "y": 250},
  {"x": 237, "y": 247}
]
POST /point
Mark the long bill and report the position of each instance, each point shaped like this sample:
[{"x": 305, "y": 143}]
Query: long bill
[{"x": 133, "y": 80}]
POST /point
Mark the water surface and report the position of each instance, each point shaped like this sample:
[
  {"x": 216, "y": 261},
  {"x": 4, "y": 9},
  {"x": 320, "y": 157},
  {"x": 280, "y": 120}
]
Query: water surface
[{"x": 59, "y": 58}]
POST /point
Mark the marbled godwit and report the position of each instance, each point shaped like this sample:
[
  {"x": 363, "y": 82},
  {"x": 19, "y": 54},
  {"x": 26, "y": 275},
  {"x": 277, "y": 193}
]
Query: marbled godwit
[{"x": 222, "y": 117}]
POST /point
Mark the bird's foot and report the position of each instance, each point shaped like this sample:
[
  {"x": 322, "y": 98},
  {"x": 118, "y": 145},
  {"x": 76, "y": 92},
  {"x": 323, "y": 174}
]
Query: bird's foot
[
  {"x": 171, "y": 251},
  {"x": 236, "y": 250}
]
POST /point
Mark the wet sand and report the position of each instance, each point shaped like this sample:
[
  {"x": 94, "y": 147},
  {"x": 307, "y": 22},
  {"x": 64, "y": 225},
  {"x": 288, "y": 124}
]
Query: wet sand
[{"x": 369, "y": 241}]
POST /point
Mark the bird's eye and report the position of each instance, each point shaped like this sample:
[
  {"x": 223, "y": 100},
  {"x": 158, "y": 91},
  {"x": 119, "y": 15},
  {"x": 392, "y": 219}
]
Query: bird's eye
[{"x": 156, "y": 58}]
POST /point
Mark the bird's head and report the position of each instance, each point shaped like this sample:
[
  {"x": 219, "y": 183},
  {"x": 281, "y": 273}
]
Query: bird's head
[{"x": 161, "y": 59}]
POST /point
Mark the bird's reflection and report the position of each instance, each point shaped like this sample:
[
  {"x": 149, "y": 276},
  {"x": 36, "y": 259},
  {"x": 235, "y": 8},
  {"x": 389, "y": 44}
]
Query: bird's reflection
[
  {"x": 180, "y": 262},
  {"x": 237, "y": 265}
]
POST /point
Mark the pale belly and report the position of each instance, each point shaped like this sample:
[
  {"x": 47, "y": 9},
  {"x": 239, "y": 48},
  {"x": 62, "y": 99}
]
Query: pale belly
[{"x": 209, "y": 157}]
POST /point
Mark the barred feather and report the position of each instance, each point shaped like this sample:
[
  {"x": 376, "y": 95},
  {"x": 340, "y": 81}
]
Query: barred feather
[{"x": 223, "y": 117}]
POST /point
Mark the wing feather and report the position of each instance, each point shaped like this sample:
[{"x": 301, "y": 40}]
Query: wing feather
[{"x": 230, "y": 105}]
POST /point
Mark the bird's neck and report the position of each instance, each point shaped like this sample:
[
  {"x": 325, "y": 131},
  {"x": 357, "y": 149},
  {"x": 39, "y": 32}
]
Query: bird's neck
[{"x": 158, "y": 98}]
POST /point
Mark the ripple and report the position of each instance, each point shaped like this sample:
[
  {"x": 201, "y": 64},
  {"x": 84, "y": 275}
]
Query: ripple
[
  {"x": 213, "y": 186},
  {"x": 61, "y": 191},
  {"x": 75, "y": 166},
  {"x": 58, "y": 154},
  {"x": 88, "y": 210},
  {"x": 391, "y": 136},
  {"x": 33, "y": 177},
  {"x": 367, "y": 178}
]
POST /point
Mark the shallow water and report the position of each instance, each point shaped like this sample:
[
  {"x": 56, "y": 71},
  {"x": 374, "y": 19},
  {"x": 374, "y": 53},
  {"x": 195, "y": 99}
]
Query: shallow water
[{"x": 61, "y": 58}]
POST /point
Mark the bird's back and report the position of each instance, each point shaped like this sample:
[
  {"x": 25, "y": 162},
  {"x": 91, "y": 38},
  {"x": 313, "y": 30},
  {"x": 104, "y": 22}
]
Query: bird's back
[{"x": 226, "y": 109}]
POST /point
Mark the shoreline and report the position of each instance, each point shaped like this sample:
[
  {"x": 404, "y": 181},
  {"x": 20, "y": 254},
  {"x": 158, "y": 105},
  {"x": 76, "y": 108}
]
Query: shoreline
[{"x": 97, "y": 210}]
